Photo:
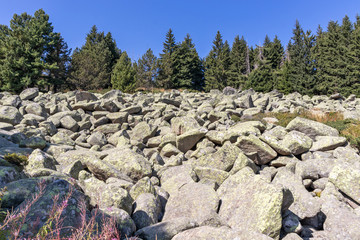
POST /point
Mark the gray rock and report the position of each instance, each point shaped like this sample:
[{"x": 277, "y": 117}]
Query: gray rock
[
  {"x": 252, "y": 144},
  {"x": 69, "y": 123},
  {"x": 97, "y": 138},
  {"x": 85, "y": 96},
  {"x": 180, "y": 125},
  {"x": 166, "y": 230},
  {"x": 193, "y": 200},
  {"x": 129, "y": 162},
  {"x": 311, "y": 128},
  {"x": 297, "y": 142},
  {"x": 143, "y": 131},
  {"x": 10, "y": 115},
  {"x": 304, "y": 205},
  {"x": 147, "y": 210},
  {"x": 40, "y": 159},
  {"x": 29, "y": 93},
  {"x": 326, "y": 143},
  {"x": 347, "y": 178},
  {"x": 341, "y": 222},
  {"x": 253, "y": 204},
  {"x": 188, "y": 140}
]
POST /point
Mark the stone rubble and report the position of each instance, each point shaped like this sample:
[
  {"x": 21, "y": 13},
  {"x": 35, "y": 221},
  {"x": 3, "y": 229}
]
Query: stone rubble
[{"x": 175, "y": 165}]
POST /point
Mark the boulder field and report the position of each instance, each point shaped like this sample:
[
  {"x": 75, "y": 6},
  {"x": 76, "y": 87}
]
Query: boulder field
[{"x": 175, "y": 165}]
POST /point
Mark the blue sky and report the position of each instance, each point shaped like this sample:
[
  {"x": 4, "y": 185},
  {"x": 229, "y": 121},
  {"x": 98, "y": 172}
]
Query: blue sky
[{"x": 138, "y": 25}]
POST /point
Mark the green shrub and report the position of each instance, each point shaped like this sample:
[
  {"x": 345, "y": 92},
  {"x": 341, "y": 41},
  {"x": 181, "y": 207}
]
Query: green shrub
[{"x": 17, "y": 159}]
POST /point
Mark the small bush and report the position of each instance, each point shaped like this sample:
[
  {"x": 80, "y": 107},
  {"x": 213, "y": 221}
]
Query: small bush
[
  {"x": 17, "y": 159},
  {"x": 235, "y": 118}
]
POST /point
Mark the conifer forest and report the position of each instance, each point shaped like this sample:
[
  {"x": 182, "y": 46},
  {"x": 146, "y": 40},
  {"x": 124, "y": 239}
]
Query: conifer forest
[{"x": 32, "y": 54}]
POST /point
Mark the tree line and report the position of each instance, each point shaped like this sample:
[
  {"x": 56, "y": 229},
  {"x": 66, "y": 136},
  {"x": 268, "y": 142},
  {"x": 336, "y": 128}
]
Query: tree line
[{"x": 325, "y": 62}]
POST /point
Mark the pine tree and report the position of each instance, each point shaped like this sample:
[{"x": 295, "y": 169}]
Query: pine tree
[
  {"x": 92, "y": 63},
  {"x": 261, "y": 78},
  {"x": 301, "y": 72},
  {"x": 354, "y": 54},
  {"x": 58, "y": 54},
  {"x": 328, "y": 62},
  {"x": 238, "y": 68},
  {"x": 274, "y": 53},
  {"x": 217, "y": 64},
  {"x": 189, "y": 66},
  {"x": 167, "y": 62},
  {"x": 123, "y": 76},
  {"x": 147, "y": 70},
  {"x": 24, "y": 49}
]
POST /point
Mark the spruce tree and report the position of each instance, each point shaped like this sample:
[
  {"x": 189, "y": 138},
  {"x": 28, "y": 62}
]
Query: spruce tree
[
  {"x": 274, "y": 53},
  {"x": 301, "y": 72},
  {"x": 217, "y": 64},
  {"x": 123, "y": 76},
  {"x": 189, "y": 66},
  {"x": 147, "y": 70},
  {"x": 24, "y": 48},
  {"x": 353, "y": 80},
  {"x": 167, "y": 62},
  {"x": 92, "y": 63},
  {"x": 261, "y": 78},
  {"x": 58, "y": 54},
  {"x": 239, "y": 65},
  {"x": 329, "y": 65}
]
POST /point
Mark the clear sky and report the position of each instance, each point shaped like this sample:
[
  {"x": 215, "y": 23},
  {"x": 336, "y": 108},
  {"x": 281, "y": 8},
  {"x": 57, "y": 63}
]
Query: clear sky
[{"x": 138, "y": 25}]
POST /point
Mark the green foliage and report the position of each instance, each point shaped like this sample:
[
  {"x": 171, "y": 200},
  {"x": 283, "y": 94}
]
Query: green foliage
[
  {"x": 17, "y": 159},
  {"x": 238, "y": 68},
  {"x": 301, "y": 69},
  {"x": 27, "y": 52},
  {"x": 146, "y": 70},
  {"x": 123, "y": 74},
  {"x": 92, "y": 63},
  {"x": 167, "y": 71},
  {"x": 217, "y": 64},
  {"x": 188, "y": 66}
]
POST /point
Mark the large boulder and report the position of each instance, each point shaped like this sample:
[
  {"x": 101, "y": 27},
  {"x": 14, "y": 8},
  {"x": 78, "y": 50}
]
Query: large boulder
[
  {"x": 254, "y": 205},
  {"x": 347, "y": 178},
  {"x": 85, "y": 96},
  {"x": 326, "y": 143},
  {"x": 304, "y": 205},
  {"x": 311, "y": 128},
  {"x": 297, "y": 142},
  {"x": 105, "y": 195},
  {"x": 40, "y": 211},
  {"x": 195, "y": 201},
  {"x": 147, "y": 210},
  {"x": 180, "y": 125},
  {"x": 143, "y": 131},
  {"x": 252, "y": 144},
  {"x": 341, "y": 220},
  {"x": 188, "y": 140},
  {"x": 173, "y": 178},
  {"x": 29, "y": 94},
  {"x": 10, "y": 115},
  {"x": 40, "y": 159},
  {"x": 129, "y": 162},
  {"x": 222, "y": 159}
]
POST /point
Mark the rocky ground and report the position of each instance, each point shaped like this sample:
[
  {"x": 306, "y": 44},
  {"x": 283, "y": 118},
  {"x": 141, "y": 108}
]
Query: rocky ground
[{"x": 176, "y": 166}]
